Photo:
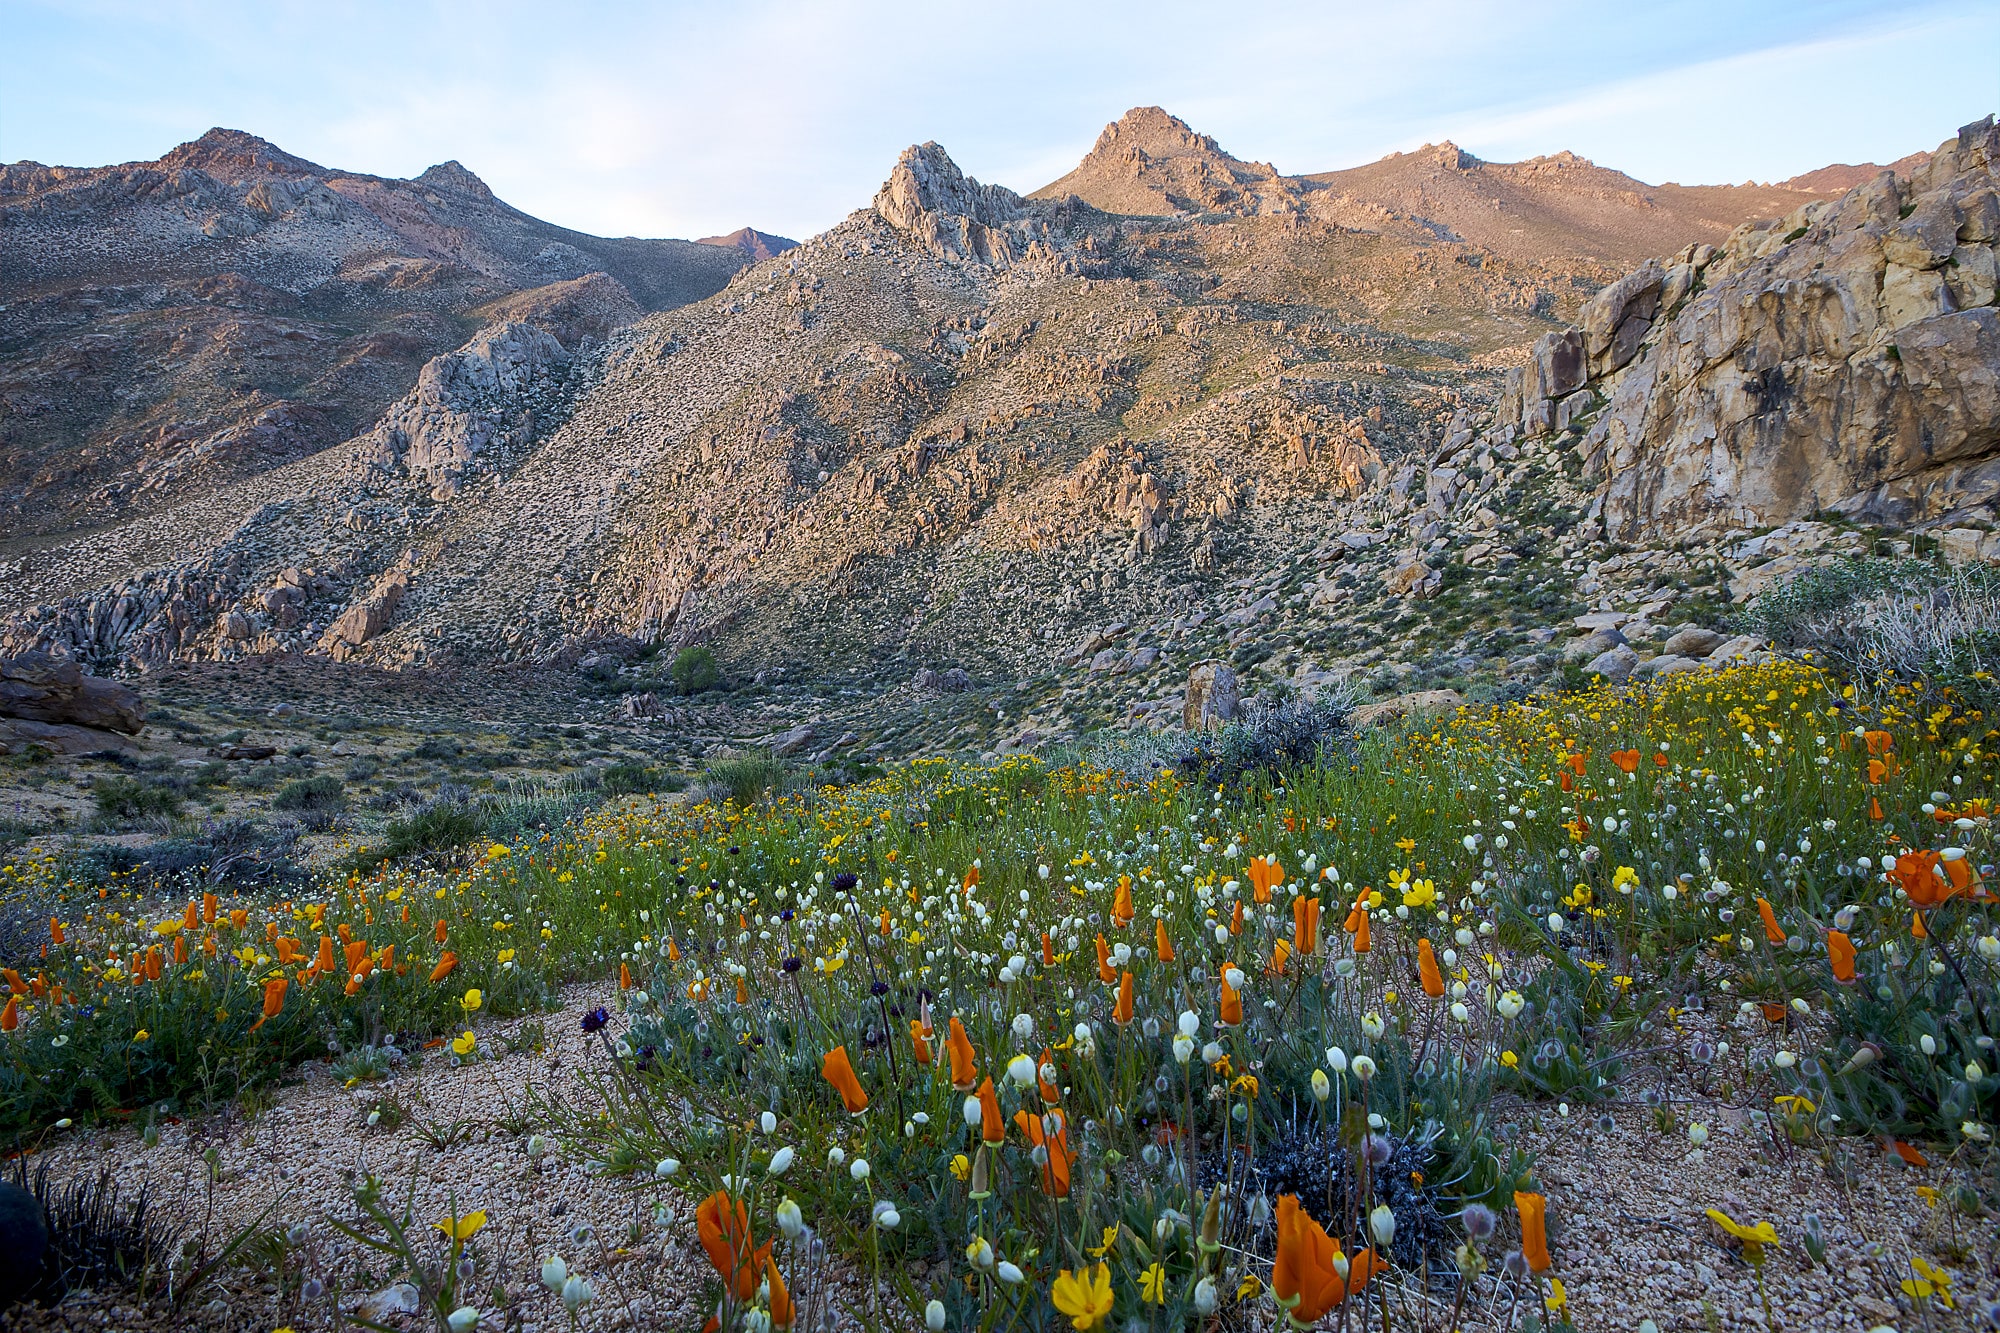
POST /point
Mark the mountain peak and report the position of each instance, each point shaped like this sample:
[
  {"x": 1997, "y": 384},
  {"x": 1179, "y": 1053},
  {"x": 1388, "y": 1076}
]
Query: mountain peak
[
  {"x": 926, "y": 181},
  {"x": 452, "y": 175},
  {"x": 1150, "y": 163},
  {"x": 225, "y": 151},
  {"x": 756, "y": 245}
]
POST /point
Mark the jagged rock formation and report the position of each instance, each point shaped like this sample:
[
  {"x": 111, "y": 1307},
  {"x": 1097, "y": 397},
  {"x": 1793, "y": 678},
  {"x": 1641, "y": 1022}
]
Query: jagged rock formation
[
  {"x": 1843, "y": 358},
  {"x": 173, "y": 326},
  {"x": 955, "y": 217}
]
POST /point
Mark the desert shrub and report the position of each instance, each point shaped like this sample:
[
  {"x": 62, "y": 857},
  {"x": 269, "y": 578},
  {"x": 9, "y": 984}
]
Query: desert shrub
[
  {"x": 744, "y": 779},
  {"x": 441, "y": 826},
  {"x": 122, "y": 797},
  {"x": 694, "y": 670},
  {"x": 628, "y": 776},
  {"x": 1883, "y": 623},
  {"x": 1272, "y": 739},
  {"x": 322, "y": 793},
  {"x": 96, "y": 1238}
]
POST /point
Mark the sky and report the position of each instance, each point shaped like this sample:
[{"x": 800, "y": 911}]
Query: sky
[{"x": 680, "y": 119}]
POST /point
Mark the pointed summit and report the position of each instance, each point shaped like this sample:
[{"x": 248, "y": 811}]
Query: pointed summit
[
  {"x": 234, "y": 155},
  {"x": 756, "y": 245},
  {"x": 1148, "y": 163},
  {"x": 453, "y": 176},
  {"x": 952, "y": 215}
]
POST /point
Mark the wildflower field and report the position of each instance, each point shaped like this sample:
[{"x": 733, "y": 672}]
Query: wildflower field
[{"x": 1034, "y": 1047}]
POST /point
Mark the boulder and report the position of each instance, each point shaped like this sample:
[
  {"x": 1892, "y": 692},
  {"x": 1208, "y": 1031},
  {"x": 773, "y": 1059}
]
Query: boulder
[
  {"x": 17, "y": 734},
  {"x": 1213, "y": 696},
  {"x": 1737, "y": 649},
  {"x": 1403, "y": 706},
  {"x": 40, "y": 687},
  {"x": 1591, "y": 645},
  {"x": 24, "y": 1242},
  {"x": 788, "y": 743},
  {"x": 1691, "y": 641},
  {"x": 1666, "y": 664},
  {"x": 1615, "y": 665}
]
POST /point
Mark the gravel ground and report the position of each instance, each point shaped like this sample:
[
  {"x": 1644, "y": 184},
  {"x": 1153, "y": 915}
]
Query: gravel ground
[{"x": 1626, "y": 1206}]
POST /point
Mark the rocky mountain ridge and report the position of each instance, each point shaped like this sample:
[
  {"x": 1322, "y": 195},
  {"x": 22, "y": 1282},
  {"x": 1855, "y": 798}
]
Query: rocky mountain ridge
[
  {"x": 170, "y": 326},
  {"x": 1054, "y": 456}
]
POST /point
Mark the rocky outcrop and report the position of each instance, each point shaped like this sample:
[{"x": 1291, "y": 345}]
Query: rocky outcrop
[
  {"x": 1214, "y": 697},
  {"x": 369, "y": 616},
  {"x": 43, "y": 688},
  {"x": 953, "y": 216},
  {"x": 1149, "y": 163},
  {"x": 1846, "y": 357},
  {"x": 465, "y": 401}
]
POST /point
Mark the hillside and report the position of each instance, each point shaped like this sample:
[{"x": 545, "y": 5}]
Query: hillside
[
  {"x": 168, "y": 327},
  {"x": 972, "y": 471}
]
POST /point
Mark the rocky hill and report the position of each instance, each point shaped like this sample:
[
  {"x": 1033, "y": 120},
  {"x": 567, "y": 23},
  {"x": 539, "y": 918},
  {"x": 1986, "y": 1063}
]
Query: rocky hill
[
  {"x": 167, "y": 327},
  {"x": 753, "y": 243},
  {"x": 972, "y": 470}
]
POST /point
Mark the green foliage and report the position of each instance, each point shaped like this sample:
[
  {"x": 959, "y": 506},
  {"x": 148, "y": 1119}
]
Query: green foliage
[
  {"x": 746, "y": 778},
  {"x": 121, "y": 797},
  {"x": 628, "y": 777},
  {"x": 694, "y": 670},
  {"x": 322, "y": 793},
  {"x": 1883, "y": 623}
]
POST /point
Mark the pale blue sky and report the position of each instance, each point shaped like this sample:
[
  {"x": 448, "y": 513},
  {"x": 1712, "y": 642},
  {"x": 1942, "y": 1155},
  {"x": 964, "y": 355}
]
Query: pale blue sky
[{"x": 674, "y": 119}]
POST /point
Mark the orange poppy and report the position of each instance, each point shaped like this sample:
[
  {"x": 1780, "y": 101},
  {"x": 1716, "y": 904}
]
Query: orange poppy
[
  {"x": 1916, "y": 872},
  {"x": 1265, "y": 875},
  {"x": 55, "y": 931},
  {"x": 10, "y": 1017},
  {"x": 964, "y": 1066},
  {"x": 1877, "y": 770},
  {"x": 274, "y": 1001},
  {"x": 1626, "y": 760},
  {"x": 1056, "y": 1171},
  {"x": 1661, "y": 761},
  {"x": 1427, "y": 969},
  {"x": 782, "y": 1312},
  {"x": 445, "y": 963},
  {"x": 154, "y": 963},
  {"x": 208, "y": 902},
  {"x": 992, "y": 1128},
  {"x": 835, "y": 1069},
  {"x": 920, "y": 1041},
  {"x": 1236, "y": 918},
  {"x": 1840, "y": 953},
  {"x": 1121, "y": 901},
  {"x": 1357, "y": 922},
  {"x": 1908, "y": 1153},
  {"x": 1879, "y": 742},
  {"x": 1281, "y": 954},
  {"x": 1567, "y": 782},
  {"x": 438, "y": 933},
  {"x": 624, "y": 976},
  {"x": 1048, "y": 951},
  {"x": 1875, "y": 808},
  {"x": 1162, "y": 944},
  {"x": 1773, "y": 932},
  {"x": 1305, "y": 924},
  {"x": 191, "y": 919},
  {"x": 1121, "y": 1013},
  {"x": 1534, "y": 1229},
  {"x": 1105, "y": 973},
  {"x": 1575, "y": 762},
  {"x": 1303, "y": 1276},
  {"x": 724, "y": 1231},
  {"x": 1231, "y": 1005}
]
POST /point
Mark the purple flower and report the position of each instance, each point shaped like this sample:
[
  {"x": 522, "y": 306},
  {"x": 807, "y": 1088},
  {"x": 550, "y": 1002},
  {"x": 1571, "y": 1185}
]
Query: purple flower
[{"x": 596, "y": 1019}]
